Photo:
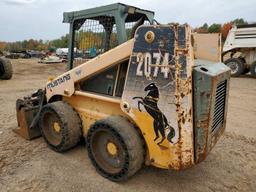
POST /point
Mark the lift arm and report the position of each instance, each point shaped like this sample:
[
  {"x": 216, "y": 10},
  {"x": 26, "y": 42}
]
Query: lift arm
[{"x": 64, "y": 84}]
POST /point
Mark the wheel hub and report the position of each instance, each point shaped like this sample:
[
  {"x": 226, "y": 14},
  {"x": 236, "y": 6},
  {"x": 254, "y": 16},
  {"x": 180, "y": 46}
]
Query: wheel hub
[
  {"x": 234, "y": 67},
  {"x": 56, "y": 127},
  {"x": 51, "y": 128},
  {"x": 107, "y": 151},
  {"x": 111, "y": 148}
]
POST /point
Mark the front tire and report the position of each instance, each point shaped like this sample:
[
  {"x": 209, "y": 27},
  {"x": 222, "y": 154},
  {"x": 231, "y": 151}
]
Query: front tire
[
  {"x": 236, "y": 65},
  {"x": 60, "y": 126},
  {"x": 115, "y": 148}
]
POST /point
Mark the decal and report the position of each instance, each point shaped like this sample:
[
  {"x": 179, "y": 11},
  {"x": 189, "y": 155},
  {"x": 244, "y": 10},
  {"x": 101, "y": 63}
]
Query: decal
[
  {"x": 160, "y": 123},
  {"x": 146, "y": 67},
  {"x": 78, "y": 72},
  {"x": 58, "y": 81},
  {"x": 160, "y": 66}
]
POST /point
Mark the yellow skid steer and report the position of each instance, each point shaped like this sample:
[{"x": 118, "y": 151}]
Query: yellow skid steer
[{"x": 145, "y": 101}]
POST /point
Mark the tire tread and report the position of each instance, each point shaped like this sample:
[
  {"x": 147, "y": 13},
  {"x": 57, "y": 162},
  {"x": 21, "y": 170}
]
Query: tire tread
[
  {"x": 71, "y": 125},
  {"x": 131, "y": 137}
]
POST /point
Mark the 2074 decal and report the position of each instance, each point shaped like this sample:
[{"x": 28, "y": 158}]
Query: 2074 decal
[{"x": 147, "y": 68}]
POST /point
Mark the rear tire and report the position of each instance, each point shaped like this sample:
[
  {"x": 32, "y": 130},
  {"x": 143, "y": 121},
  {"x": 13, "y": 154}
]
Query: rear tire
[
  {"x": 253, "y": 69},
  {"x": 5, "y": 69},
  {"x": 126, "y": 154},
  {"x": 60, "y": 126},
  {"x": 236, "y": 65}
]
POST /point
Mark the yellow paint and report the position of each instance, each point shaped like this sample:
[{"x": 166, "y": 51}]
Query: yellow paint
[
  {"x": 50, "y": 78},
  {"x": 92, "y": 109},
  {"x": 56, "y": 127},
  {"x": 159, "y": 155},
  {"x": 111, "y": 148}
]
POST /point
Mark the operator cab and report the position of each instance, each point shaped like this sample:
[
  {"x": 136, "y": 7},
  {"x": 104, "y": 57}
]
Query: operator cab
[
  {"x": 109, "y": 82},
  {"x": 97, "y": 30}
]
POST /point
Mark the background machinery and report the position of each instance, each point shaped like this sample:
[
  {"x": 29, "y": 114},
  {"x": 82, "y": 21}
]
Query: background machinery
[
  {"x": 240, "y": 48},
  {"x": 141, "y": 100}
]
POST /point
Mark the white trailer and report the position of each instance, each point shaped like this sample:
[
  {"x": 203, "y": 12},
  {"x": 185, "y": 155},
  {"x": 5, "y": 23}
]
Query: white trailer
[{"x": 240, "y": 47}]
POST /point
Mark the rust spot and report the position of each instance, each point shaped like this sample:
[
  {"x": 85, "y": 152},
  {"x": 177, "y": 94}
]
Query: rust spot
[
  {"x": 202, "y": 152},
  {"x": 163, "y": 147},
  {"x": 184, "y": 156}
]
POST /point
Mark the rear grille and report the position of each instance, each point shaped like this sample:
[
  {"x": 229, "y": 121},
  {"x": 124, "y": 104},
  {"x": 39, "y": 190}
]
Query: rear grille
[{"x": 219, "y": 108}]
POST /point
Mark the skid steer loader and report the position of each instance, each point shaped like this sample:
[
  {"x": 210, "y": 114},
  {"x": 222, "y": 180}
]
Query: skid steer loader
[{"x": 141, "y": 101}]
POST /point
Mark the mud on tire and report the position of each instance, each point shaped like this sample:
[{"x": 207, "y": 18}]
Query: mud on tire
[
  {"x": 60, "y": 126},
  {"x": 5, "y": 69},
  {"x": 130, "y": 151}
]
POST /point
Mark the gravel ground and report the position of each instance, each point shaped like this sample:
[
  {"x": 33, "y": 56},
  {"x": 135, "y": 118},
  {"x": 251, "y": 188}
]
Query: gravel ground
[{"x": 32, "y": 166}]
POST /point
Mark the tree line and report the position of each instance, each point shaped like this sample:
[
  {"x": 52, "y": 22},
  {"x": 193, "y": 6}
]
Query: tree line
[
  {"x": 32, "y": 44},
  {"x": 219, "y": 28},
  {"x": 83, "y": 37}
]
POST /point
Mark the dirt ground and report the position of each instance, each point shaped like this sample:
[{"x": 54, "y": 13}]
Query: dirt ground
[{"x": 32, "y": 166}]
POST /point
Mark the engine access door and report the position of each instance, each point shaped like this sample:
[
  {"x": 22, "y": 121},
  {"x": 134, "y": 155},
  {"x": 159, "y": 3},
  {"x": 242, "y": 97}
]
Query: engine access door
[{"x": 157, "y": 93}]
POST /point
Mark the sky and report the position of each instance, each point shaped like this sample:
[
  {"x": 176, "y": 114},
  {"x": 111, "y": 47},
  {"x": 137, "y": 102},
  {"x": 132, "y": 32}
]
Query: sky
[{"x": 42, "y": 19}]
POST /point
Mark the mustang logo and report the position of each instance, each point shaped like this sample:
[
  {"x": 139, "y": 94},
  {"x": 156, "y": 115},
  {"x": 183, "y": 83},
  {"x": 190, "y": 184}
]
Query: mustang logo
[{"x": 160, "y": 121}]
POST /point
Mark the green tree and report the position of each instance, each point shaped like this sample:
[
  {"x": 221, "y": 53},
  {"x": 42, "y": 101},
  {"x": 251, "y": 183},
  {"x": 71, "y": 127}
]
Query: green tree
[
  {"x": 205, "y": 26},
  {"x": 59, "y": 43},
  {"x": 239, "y": 21},
  {"x": 214, "y": 28}
]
